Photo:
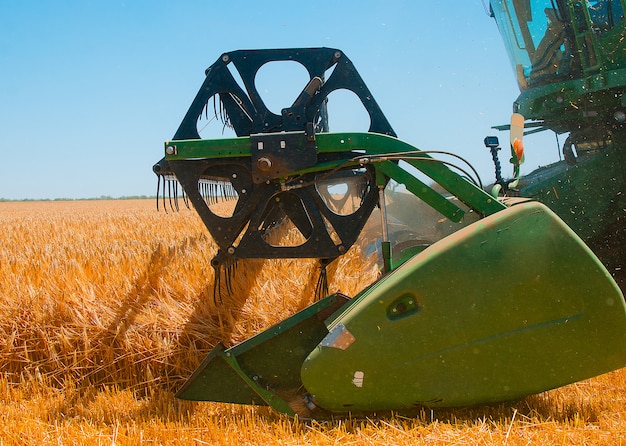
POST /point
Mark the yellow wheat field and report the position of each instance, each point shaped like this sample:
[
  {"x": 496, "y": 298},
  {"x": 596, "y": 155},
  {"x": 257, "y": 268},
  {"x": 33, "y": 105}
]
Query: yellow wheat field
[{"x": 107, "y": 306}]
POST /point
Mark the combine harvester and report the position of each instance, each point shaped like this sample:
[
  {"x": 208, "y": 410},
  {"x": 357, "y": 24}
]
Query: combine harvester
[
  {"x": 508, "y": 301},
  {"x": 569, "y": 58}
]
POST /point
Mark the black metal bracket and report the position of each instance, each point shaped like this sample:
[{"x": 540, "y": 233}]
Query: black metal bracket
[{"x": 278, "y": 154}]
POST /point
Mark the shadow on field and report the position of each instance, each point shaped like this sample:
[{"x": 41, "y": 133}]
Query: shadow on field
[
  {"x": 216, "y": 313},
  {"x": 147, "y": 359}
]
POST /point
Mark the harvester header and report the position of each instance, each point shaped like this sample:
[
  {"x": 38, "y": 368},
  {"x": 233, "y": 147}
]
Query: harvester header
[{"x": 506, "y": 301}]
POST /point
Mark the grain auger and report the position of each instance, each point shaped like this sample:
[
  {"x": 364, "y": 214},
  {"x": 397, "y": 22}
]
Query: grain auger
[{"x": 507, "y": 302}]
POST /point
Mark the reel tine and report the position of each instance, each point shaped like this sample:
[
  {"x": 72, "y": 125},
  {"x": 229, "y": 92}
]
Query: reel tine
[
  {"x": 224, "y": 268},
  {"x": 217, "y": 295},
  {"x": 176, "y": 195},
  {"x": 164, "y": 192},
  {"x": 185, "y": 199},
  {"x": 157, "y": 191},
  {"x": 321, "y": 289},
  {"x": 169, "y": 193},
  {"x": 230, "y": 271}
]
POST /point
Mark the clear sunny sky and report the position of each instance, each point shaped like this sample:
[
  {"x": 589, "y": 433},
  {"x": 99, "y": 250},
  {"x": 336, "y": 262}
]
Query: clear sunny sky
[{"x": 90, "y": 90}]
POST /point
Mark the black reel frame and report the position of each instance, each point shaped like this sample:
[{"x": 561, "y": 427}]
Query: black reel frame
[{"x": 279, "y": 144}]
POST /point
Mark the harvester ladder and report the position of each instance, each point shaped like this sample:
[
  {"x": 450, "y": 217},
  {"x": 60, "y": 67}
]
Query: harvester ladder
[{"x": 585, "y": 36}]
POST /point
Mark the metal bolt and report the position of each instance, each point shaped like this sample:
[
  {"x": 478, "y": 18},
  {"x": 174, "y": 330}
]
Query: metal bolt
[
  {"x": 225, "y": 58},
  {"x": 231, "y": 250},
  {"x": 170, "y": 150},
  {"x": 264, "y": 164}
]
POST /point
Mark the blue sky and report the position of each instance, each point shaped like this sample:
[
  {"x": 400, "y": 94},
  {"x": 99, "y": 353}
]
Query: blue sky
[{"x": 90, "y": 90}]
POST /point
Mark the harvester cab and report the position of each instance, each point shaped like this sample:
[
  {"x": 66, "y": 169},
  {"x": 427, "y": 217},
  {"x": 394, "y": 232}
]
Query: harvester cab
[{"x": 508, "y": 303}]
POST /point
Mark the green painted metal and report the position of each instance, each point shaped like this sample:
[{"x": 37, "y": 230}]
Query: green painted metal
[
  {"x": 512, "y": 305},
  {"x": 420, "y": 189},
  {"x": 588, "y": 196},
  {"x": 582, "y": 86},
  {"x": 364, "y": 148},
  {"x": 585, "y": 102},
  {"x": 264, "y": 369},
  {"x": 207, "y": 148}
]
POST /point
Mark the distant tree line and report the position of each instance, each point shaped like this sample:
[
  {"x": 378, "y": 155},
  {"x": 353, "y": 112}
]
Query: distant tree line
[{"x": 102, "y": 197}]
